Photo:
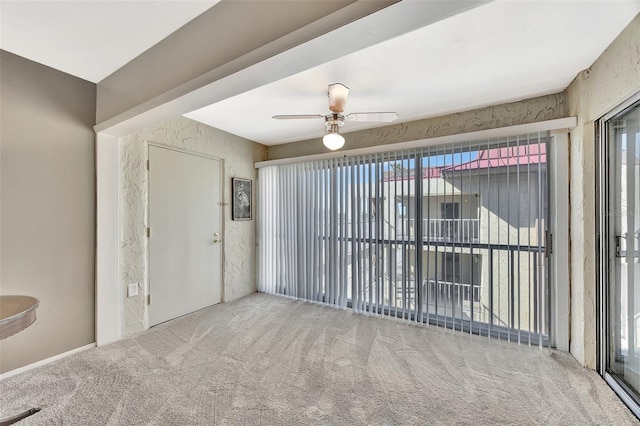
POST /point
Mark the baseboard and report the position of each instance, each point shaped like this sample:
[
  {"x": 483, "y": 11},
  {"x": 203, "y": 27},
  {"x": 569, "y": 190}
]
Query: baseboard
[{"x": 46, "y": 361}]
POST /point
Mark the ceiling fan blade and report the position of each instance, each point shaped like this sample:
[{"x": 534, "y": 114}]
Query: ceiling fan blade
[
  {"x": 372, "y": 116},
  {"x": 338, "y": 93},
  {"x": 297, "y": 117}
]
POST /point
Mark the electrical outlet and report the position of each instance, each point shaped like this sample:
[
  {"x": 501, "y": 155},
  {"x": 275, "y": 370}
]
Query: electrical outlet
[{"x": 132, "y": 291}]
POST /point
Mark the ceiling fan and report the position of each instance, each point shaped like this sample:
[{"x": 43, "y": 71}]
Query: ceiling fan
[{"x": 337, "y": 99}]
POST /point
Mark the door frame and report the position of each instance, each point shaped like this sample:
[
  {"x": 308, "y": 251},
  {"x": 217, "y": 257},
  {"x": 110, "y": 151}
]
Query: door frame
[
  {"x": 222, "y": 212},
  {"x": 602, "y": 169},
  {"x": 557, "y": 238}
]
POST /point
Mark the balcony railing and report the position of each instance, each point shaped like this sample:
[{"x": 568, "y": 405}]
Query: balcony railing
[
  {"x": 509, "y": 299},
  {"x": 444, "y": 292},
  {"x": 436, "y": 293},
  {"x": 447, "y": 230}
]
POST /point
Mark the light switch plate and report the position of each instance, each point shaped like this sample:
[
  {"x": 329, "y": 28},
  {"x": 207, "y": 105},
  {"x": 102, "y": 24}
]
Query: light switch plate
[{"x": 132, "y": 291}]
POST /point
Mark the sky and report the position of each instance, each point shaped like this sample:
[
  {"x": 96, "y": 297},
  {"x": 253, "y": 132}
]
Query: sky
[{"x": 436, "y": 160}]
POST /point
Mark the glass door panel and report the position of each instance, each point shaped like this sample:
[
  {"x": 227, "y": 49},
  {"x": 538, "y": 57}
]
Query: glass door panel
[{"x": 623, "y": 358}]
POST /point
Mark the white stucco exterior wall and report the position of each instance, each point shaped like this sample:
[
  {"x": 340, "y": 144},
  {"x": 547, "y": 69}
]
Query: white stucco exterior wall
[
  {"x": 239, "y": 237},
  {"x": 614, "y": 77}
]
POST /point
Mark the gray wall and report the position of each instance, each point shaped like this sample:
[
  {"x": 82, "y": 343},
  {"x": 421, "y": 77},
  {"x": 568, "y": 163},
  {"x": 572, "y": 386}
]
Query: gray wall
[{"x": 47, "y": 206}]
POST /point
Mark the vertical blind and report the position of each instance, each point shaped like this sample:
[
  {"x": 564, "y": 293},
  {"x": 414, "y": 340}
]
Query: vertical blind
[{"x": 447, "y": 235}]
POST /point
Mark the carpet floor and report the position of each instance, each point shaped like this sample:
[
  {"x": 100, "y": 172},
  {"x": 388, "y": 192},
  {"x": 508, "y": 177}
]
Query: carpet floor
[{"x": 266, "y": 360}]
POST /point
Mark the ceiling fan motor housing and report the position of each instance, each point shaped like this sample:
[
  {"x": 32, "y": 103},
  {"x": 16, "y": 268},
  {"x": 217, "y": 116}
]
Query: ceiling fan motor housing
[{"x": 333, "y": 122}]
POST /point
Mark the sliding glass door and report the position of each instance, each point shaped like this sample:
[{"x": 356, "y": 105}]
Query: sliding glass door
[
  {"x": 621, "y": 273},
  {"x": 449, "y": 235}
]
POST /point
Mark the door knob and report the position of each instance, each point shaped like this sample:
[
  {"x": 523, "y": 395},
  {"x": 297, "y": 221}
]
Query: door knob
[{"x": 216, "y": 238}]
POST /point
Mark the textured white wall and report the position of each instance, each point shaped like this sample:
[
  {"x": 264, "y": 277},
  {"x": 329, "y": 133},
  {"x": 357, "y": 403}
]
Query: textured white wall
[
  {"x": 522, "y": 112},
  {"x": 614, "y": 77},
  {"x": 239, "y": 236}
]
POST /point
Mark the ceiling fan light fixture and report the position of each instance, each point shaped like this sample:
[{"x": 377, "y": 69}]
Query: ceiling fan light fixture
[
  {"x": 338, "y": 93},
  {"x": 333, "y": 140}
]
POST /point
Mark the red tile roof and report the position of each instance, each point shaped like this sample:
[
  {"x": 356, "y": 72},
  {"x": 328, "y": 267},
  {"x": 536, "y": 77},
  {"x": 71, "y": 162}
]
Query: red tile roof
[
  {"x": 486, "y": 158},
  {"x": 503, "y": 157}
]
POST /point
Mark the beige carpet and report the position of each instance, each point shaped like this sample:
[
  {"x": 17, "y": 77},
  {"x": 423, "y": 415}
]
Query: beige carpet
[{"x": 269, "y": 360}]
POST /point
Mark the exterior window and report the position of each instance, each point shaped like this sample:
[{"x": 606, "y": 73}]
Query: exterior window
[
  {"x": 450, "y": 210},
  {"x": 401, "y": 208},
  {"x": 451, "y": 267}
]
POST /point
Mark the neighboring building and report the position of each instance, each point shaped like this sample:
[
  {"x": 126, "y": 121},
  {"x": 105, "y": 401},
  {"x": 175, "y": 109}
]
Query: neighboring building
[{"x": 481, "y": 230}]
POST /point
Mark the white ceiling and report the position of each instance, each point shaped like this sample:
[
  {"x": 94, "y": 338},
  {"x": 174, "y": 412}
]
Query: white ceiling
[
  {"x": 87, "y": 38},
  {"x": 499, "y": 52}
]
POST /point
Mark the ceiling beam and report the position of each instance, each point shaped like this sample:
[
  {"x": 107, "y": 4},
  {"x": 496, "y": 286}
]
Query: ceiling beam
[{"x": 352, "y": 28}]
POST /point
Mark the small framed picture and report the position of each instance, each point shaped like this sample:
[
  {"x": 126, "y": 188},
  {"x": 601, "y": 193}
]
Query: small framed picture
[{"x": 241, "y": 201}]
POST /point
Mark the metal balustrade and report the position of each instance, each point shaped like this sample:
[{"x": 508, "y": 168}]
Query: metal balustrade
[
  {"x": 450, "y": 230},
  {"x": 508, "y": 299},
  {"x": 445, "y": 292}
]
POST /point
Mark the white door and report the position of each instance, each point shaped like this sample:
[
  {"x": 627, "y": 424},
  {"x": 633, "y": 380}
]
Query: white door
[{"x": 185, "y": 227}]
